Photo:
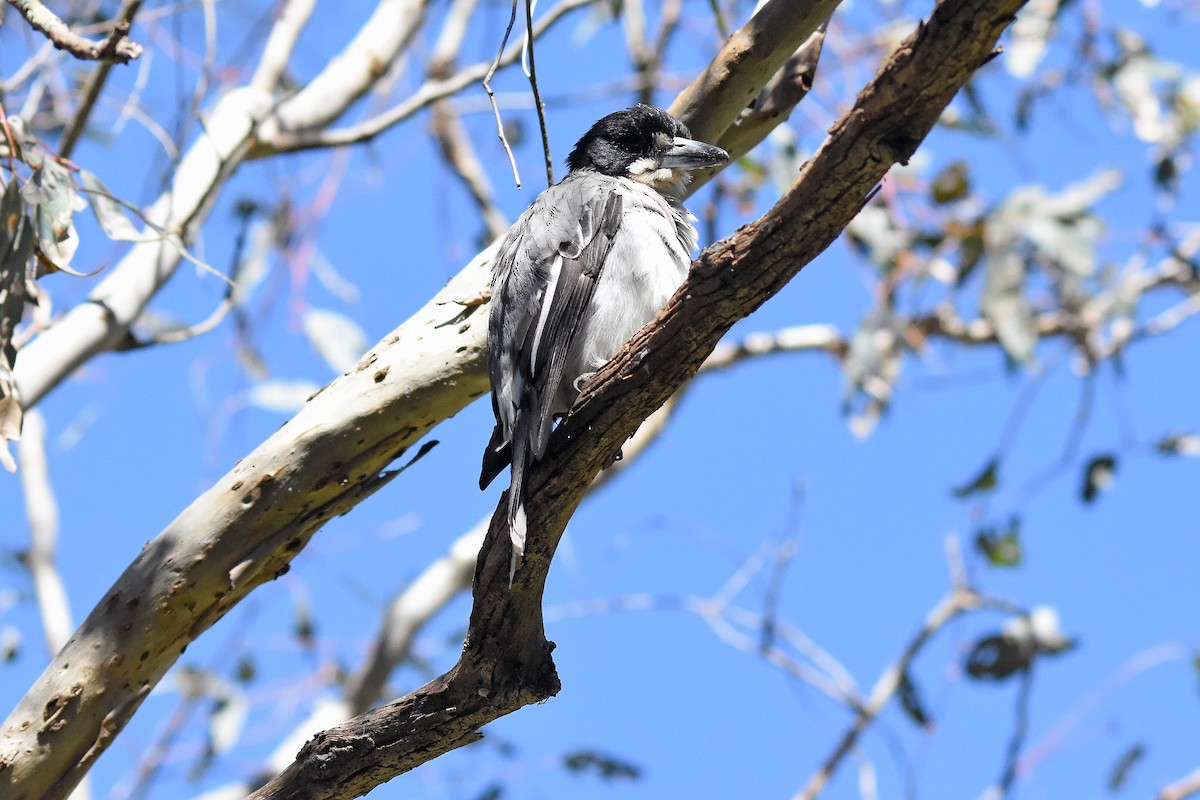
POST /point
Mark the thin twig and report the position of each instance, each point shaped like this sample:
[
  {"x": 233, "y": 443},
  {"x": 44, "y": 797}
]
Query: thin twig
[
  {"x": 537, "y": 93},
  {"x": 227, "y": 304},
  {"x": 446, "y": 123},
  {"x": 487, "y": 87},
  {"x": 1020, "y": 732},
  {"x": 430, "y": 92},
  {"x": 957, "y": 602}
]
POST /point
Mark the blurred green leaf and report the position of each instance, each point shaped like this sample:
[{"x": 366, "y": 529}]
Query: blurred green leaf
[
  {"x": 16, "y": 251},
  {"x": 1179, "y": 444},
  {"x": 952, "y": 183},
  {"x": 10, "y": 644},
  {"x": 997, "y": 657},
  {"x": 109, "y": 212},
  {"x": 493, "y": 792},
  {"x": 1005, "y": 305},
  {"x": 605, "y": 766},
  {"x": 227, "y": 720},
  {"x": 283, "y": 396},
  {"x": 337, "y": 339},
  {"x": 985, "y": 481},
  {"x": 1001, "y": 546},
  {"x": 1124, "y": 765},
  {"x": 246, "y": 670},
  {"x": 1098, "y": 476},
  {"x": 911, "y": 702},
  {"x": 303, "y": 625}
]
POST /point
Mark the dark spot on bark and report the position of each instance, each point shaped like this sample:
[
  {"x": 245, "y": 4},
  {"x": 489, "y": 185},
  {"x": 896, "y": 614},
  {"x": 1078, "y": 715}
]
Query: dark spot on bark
[
  {"x": 294, "y": 544},
  {"x": 462, "y": 349},
  {"x": 381, "y": 374},
  {"x": 283, "y": 570},
  {"x": 236, "y": 486},
  {"x": 145, "y": 654},
  {"x": 133, "y": 603}
]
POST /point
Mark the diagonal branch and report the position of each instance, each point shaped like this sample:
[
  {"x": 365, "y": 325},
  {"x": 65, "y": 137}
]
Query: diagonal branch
[
  {"x": 91, "y": 88},
  {"x": 506, "y": 662},
  {"x": 117, "y": 47},
  {"x": 246, "y": 529}
]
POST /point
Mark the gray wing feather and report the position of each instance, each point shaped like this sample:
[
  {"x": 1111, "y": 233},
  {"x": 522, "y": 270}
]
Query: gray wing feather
[
  {"x": 571, "y": 226},
  {"x": 569, "y": 306}
]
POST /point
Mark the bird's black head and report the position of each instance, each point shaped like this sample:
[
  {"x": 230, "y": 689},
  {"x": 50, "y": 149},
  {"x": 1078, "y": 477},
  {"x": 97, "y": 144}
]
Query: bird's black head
[{"x": 646, "y": 144}]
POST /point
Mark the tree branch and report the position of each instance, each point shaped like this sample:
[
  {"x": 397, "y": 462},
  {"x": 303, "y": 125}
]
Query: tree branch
[
  {"x": 746, "y": 63},
  {"x": 114, "y": 48},
  {"x": 331, "y": 455},
  {"x": 505, "y": 661},
  {"x": 41, "y": 509},
  {"x": 1187, "y": 786},
  {"x": 95, "y": 82},
  {"x": 958, "y": 601}
]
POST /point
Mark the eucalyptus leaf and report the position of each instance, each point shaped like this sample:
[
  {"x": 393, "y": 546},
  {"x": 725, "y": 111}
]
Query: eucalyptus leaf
[
  {"x": 109, "y": 212},
  {"x": 1098, "y": 476},
  {"x": 987, "y": 480},
  {"x": 283, "y": 396},
  {"x": 337, "y": 339}
]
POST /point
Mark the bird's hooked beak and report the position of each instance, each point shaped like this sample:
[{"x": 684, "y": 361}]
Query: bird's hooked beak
[{"x": 690, "y": 154}]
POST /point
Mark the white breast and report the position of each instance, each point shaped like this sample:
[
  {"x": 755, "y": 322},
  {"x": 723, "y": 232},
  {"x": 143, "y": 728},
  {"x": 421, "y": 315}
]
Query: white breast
[{"x": 649, "y": 260}]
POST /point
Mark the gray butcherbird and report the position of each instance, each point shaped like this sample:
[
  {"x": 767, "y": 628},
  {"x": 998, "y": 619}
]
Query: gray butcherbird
[{"x": 594, "y": 258}]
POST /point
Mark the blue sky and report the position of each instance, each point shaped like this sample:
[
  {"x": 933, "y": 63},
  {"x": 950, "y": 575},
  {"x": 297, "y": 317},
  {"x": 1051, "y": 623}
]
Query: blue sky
[{"x": 756, "y": 456}]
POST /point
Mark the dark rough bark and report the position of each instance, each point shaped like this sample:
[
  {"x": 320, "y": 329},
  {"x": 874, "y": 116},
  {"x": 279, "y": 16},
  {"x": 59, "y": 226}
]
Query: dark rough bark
[{"x": 506, "y": 660}]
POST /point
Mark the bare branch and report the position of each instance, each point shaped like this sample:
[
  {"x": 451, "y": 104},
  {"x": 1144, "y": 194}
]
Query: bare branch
[
  {"x": 746, "y": 63},
  {"x": 234, "y": 127},
  {"x": 958, "y": 601},
  {"x": 776, "y": 101},
  {"x": 115, "y": 48},
  {"x": 429, "y": 93},
  {"x": 487, "y": 87},
  {"x": 41, "y": 510},
  {"x": 352, "y": 72},
  {"x": 1187, "y": 786},
  {"x": 436, "y": 586},
  {"x": 277, "y": 53},
  {"x": 538, "y": 105},
  {"x": 91, "y": 89}
]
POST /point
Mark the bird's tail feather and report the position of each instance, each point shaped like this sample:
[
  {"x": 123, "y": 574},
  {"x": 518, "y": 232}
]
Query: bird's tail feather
[{"x": 516, "y": 500}]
